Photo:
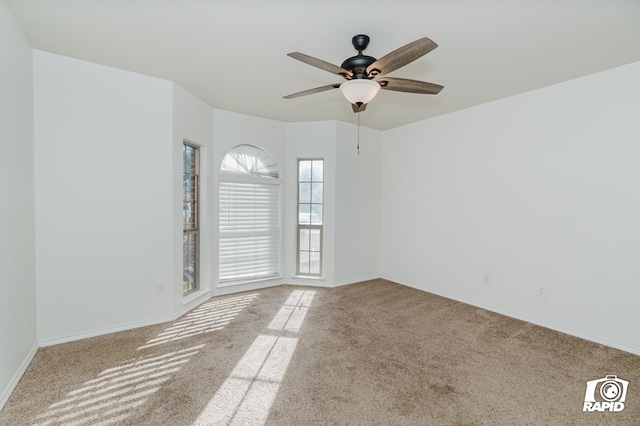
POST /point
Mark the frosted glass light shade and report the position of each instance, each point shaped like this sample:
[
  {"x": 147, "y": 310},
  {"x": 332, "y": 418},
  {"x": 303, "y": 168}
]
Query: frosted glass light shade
[{"x": 360, "y": 90}]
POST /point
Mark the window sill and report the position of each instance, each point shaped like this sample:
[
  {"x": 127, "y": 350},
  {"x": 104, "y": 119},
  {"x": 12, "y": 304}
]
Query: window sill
[
  {"x": 193, "y": 296},
  {"x": 241, "y": 282},
  {"x": 308, "y": 277}
]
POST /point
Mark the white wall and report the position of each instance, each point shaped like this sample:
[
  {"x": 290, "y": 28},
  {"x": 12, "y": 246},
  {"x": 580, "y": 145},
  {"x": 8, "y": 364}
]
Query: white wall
[
  {"x": 104, "y": 198},
  {"x": 229, "y": 130},
  {"x": 17, "y": 241},
  {"x": 357, "y": 204},
  {"x": 192, "y": 122},
  {"x": 540, "y": 189}
]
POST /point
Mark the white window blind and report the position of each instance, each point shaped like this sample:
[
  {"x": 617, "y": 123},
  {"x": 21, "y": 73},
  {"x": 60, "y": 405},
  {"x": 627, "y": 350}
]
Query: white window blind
[{"x": 249, "y": 226}]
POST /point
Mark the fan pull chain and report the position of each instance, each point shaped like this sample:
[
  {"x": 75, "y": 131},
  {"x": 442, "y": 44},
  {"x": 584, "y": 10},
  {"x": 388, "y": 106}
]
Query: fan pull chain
[{"x": 358, "y": 147}]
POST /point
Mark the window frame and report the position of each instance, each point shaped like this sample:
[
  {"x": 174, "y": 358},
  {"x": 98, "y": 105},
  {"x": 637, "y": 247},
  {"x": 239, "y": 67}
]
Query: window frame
[
  {"x": 310, "y": 226},
  {"x": 228, "y": 177},
  {"x": 196, "y": 230}
]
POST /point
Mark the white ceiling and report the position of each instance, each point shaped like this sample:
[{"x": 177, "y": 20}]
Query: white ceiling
[{"x": 232, "y": 54}]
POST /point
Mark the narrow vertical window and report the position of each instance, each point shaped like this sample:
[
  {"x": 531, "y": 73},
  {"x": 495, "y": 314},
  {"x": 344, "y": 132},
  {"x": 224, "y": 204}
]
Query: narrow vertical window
[
  {"x": 190, "y": 217},
  {"x": 310, "y": 217}
]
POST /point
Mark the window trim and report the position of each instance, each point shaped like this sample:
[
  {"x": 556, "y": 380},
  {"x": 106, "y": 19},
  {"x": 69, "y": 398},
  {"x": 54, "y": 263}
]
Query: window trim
[
  {"x": 196, "y": 230},
  {"x": 233, "y": 177},
  {"x": 309, "y": 274},
  {"x": 309, "y": 226}
]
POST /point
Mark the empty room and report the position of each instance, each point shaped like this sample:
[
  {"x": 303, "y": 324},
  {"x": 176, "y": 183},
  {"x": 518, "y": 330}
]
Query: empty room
[{"x": 325, "y": 213}]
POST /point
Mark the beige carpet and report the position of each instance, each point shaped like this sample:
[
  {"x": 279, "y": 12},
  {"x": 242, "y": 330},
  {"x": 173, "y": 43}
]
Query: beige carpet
[{"x": 374, "y": 353}]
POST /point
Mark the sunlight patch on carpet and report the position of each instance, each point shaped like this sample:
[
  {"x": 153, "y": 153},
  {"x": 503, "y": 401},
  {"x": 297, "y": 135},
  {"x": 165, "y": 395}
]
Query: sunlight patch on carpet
[
  {"x": 292, "y": 314},
  {"x": 115, "y": 392},
  {"x": 208, "y": 317},
  {"x": 245, "y": 398}
]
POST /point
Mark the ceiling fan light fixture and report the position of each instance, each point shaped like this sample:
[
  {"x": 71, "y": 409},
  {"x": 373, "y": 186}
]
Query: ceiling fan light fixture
[{"x": 360, "y": 90}]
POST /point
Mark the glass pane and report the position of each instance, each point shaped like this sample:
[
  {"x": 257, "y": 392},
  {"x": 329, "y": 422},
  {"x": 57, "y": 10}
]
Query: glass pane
[
  {"x": 189, "y": 216},
  {"x": 303, "y": 267},
  {"x": 185, "y": 159},
  {"x": 304, "y": 171},
  {"x": 314, "y": 243},
  {"x": 304, "y": 193},
  {"x": 314, "y": 264},
  {"x": 304, "y": 214},
  {"x": 316, "y": 214},
  {"x": 316, "y": 193},
  {"x": 189, "y": 187},
  {"x": 318, "y": 166},
  {"x": 186, "y": 182},
  {"x": 189, "y": 264},
  {"x": 304, "y": 239},
  {"x": 189, "y": 159},
  {"x": 185, "y": 214},
  {"x": 251, "y": 160}
]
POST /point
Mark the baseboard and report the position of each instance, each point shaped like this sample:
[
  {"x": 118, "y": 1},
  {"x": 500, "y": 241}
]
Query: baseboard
[
  {"x": 319, "y": 282},
  {"x": 356, "y": 280},
  {"x": 584, "y": 336},
  {"x": 191, "y": 302},
  {"x": 189, "y": 305},
  {"x": 102, "y": 332},
  {"x": 4, "y": 397}
]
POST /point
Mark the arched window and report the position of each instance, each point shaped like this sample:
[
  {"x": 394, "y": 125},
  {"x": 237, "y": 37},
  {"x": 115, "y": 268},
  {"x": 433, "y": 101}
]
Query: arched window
[{"x": 249, "y": 215}]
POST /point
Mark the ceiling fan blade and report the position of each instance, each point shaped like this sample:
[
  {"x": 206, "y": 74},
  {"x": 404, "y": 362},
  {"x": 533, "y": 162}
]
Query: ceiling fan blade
[
  {"x": 319, "y": 63},
  {"x": 410, "y": 86},
  {"x": 312, "y": 91},
  {"x": 357, "y": 108},
  {"x": 402, "y": 56}
]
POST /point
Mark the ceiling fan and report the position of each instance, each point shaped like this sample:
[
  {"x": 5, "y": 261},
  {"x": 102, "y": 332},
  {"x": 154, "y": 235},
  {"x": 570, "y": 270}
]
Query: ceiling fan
[{"x": 366, "y": 75}]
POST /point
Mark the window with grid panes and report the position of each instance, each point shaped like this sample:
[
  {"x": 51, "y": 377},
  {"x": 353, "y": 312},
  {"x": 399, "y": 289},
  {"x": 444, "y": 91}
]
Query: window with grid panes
[
  {"x": 310, "y": 217},
  {"x": 190, "y": 217}
]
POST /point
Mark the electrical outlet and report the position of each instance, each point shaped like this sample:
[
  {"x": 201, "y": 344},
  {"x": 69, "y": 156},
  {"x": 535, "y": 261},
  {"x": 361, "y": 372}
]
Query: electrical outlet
[
  {"x": 542, "y": 291},
  {"x": 159, "y": 287},
  {"x": 487, "y": 279}
]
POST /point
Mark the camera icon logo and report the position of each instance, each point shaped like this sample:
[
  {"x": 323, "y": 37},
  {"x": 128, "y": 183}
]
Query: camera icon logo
[{"x": 606, "y": 394}]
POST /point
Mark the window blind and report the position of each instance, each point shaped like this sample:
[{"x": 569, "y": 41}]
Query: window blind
[{"x": 249, "y": 229}]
